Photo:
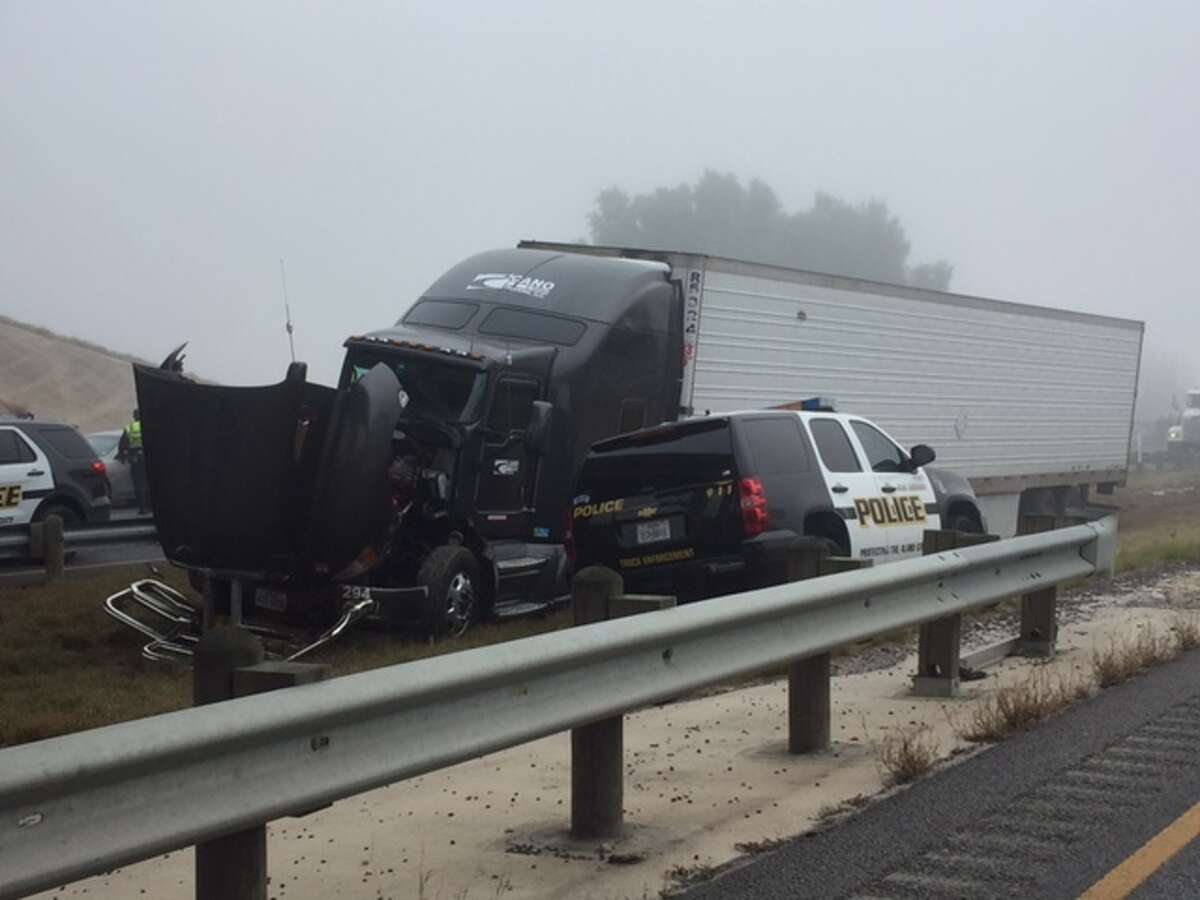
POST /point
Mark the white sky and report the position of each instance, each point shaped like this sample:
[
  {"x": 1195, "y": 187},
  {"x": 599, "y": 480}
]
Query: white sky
[{"x": 157, "y": 160}]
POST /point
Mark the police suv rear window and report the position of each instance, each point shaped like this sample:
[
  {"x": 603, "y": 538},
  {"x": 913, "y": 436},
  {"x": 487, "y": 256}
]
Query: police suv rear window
[
  {"x": 833, "y": 445},
  {"x": 660, "y": 461},
  {"x": 776, "y": 445},
  {"x": 68, "y": 442},
  {"x": 449, "y": 314},
  {"x": 532, "y": 326}
]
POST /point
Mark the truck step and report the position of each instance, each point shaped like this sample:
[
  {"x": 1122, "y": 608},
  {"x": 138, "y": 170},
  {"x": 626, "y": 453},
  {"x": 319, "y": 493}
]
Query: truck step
[
  {"x": 514, "y": 608},
  {"x": 521, "y": 565}
]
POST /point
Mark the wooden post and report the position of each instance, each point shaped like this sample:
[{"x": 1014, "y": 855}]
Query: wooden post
[
  {"x": 46, "y": 543},
  {"x": 598, "y": 748},
  {"x": 1039, "y": 609},
  {"x": 233, "y": 866},
  {"x": 940, "y": 641},
  {"x": 808, "y": 678}
]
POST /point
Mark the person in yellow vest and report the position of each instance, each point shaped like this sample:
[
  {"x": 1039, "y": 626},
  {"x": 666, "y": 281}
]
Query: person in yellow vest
[{"x": 130, "y": 450}]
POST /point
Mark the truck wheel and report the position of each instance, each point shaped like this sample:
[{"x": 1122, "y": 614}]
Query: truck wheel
[{"x": 451, "y": 576}]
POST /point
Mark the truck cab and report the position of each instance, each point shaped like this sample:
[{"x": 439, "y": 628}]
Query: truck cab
[{"x": 501, "y": 375}]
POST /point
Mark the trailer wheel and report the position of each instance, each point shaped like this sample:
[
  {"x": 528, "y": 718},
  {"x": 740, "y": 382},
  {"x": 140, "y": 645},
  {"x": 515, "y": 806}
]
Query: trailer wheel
[{"x": 450, "y": 574}]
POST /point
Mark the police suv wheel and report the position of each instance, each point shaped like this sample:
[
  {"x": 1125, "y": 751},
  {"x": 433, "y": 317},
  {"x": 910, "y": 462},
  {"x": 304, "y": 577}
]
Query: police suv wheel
[
  {"x": 450, "y": 574},
  {"x": 961, "y": 522}
]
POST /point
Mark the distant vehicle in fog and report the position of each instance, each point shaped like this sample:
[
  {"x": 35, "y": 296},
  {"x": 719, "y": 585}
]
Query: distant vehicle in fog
[{"x": 106, "y": 444}]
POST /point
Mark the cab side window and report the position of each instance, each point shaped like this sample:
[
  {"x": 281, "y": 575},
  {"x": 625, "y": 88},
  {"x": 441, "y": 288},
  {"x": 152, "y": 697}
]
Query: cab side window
[
  {"x": 513, "y": 406},
  {"x": 882, "y": 454},
  {"x": 834, "y": 446},
  {"x": 13, "y": 449}
]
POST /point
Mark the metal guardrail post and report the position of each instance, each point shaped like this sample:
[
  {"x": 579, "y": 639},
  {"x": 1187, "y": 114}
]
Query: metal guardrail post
[
  {"x": 598, "y": 748},
  {"x": 1039, "y": 609},
  {"x": 233, "y": 866},
  {"x": 940, "y": 641}
]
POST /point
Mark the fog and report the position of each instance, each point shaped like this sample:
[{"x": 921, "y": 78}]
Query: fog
[{"x": 158, "y": 161}]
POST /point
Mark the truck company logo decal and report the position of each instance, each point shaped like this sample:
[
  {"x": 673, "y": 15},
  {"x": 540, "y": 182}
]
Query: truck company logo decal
[
  {"x": 654, "y": 559},
  {"x": 598, "y": 509},
  {"x": 518, "y": 284},
  {"x": 10, "y": 495},
  {"x": 506, "y": 466},
  {"x": 890, "y": 510}
]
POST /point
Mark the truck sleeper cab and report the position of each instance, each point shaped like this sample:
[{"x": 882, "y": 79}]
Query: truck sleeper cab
[{"x": 685, "y": 508}]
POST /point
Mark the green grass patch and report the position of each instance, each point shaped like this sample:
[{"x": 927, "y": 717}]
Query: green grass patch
[
  {"x": 66, "y": 666},
  {"x": 1173, "y": 542}
]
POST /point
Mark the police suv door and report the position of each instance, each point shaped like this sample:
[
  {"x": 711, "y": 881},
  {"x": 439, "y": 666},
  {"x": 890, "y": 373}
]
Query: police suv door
[
  {"x": 851, "y": 484},
  {"x": 905, "y": 499},
  {"x": 25, "y": 477}
]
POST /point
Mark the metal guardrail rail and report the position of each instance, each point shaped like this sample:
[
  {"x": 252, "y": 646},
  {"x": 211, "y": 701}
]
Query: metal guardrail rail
[
  {"x": 86, "y": 803},
  {"x": 17, "y": 542}
]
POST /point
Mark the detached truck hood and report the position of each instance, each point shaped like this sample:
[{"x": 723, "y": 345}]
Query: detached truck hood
[{"x": 282, "y": 482}]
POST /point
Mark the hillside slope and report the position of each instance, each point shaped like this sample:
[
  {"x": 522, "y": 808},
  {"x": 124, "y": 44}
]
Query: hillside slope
[{"x": 63, "y": 378}]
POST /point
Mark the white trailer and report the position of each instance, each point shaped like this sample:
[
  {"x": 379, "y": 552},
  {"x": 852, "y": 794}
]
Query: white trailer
[{"x": 1033, "y": 404}]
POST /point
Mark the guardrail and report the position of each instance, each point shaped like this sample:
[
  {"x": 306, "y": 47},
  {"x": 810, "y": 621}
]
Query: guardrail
[
  {"x": 43, "y": 540},
  {"x": 86, "y": 803}
]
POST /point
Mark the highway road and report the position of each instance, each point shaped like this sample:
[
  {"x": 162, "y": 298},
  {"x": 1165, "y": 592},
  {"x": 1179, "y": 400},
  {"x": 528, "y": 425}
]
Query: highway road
[{"x": 1100, "y": 802}]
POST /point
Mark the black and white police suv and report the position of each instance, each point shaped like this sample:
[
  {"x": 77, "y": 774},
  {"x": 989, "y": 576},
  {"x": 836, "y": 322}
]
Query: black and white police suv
[
  {"x": 48, "y": 468},
  {"x": 680, "y": 508}
]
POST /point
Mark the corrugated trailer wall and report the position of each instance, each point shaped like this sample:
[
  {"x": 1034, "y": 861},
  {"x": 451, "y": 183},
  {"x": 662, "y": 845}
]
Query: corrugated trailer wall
[{"x": 1000, "y": 390}]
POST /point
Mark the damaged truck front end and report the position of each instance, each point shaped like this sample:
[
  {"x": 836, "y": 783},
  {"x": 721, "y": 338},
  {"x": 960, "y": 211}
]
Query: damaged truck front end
[{"x": 274, "y": 497}]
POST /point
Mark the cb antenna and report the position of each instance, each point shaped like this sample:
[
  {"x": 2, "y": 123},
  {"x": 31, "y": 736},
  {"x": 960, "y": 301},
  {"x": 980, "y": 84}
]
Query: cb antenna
[{"x": 287, "y": 310}]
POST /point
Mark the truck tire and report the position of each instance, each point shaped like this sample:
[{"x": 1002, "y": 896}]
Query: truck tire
[{"x": 450, "y": 574}]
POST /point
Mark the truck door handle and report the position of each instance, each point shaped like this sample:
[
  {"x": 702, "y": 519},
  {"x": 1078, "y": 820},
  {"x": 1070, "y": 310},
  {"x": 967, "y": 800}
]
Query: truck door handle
[
  {"x": 839, "y": 489},
  {"x": 35, "y": 472},
  {"x": 888, "y": 489}
]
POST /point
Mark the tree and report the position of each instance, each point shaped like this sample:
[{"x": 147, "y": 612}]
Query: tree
[{"x": 720, "y": 215}]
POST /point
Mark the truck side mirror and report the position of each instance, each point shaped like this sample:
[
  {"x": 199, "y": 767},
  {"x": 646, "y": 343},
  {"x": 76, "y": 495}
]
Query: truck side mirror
[
  {"x": 537, "y": 432},
  {"x": 921, "y": 455}
]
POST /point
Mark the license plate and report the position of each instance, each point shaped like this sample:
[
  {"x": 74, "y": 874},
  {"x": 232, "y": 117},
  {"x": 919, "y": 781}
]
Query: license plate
[
  {"x": 650, "y": 532},
  {"x": 269, "y": 599},
  {"x": 10, "y": 495}
]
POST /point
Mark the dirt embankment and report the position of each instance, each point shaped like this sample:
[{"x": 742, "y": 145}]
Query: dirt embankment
[{"x": 62, "y": 378}]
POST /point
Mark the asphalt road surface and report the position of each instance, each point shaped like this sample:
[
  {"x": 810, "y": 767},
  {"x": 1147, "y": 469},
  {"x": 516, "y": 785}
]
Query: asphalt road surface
[{"x": 1102, "y": 801}]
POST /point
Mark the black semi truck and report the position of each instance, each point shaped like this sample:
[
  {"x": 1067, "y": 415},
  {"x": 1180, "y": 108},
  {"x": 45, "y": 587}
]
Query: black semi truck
[{"x": 434, "y": 479}]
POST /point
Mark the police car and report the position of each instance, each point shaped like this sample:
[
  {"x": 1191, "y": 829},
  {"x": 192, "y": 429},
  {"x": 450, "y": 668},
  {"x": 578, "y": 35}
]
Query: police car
[
  {"x": 678, "y": 507},
  {"x": 47, "y": 468}
]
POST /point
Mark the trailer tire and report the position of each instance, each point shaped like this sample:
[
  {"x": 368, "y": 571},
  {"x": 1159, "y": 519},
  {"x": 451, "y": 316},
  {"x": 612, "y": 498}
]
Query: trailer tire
[{"x": 450, "y": 576}]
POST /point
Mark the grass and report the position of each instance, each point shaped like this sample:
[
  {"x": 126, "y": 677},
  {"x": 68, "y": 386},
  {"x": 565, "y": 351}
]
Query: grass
[
  {"x": 908, "y": 753},
  {"x": 1123, "y": 658},
  {"x": 1017, "y": 707},
  {"x": 66, "y": 666},
  {"x": 1173, "y": 542}
]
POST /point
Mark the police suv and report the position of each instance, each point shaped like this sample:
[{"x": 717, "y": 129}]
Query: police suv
[
  {"x": 47, "y": 468},
  {"x": 680, "y": 508}
]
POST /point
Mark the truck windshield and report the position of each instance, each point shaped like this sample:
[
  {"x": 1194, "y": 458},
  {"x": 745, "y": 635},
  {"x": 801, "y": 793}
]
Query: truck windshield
[{"x": 431, "y": 388}]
